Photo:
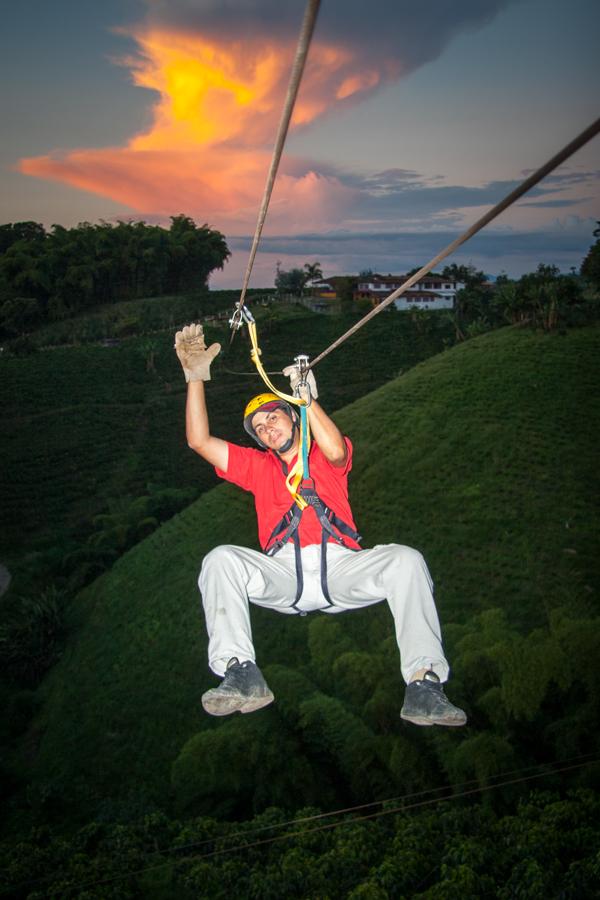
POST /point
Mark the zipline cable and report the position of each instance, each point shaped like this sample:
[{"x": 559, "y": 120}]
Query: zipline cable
[
  {"x": 306, "y": 32},
  {"x": 404, "y": 807},
  {"x": 585, "y": 136}
]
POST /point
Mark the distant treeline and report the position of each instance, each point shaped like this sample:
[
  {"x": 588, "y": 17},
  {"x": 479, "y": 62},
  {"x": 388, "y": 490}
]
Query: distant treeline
[{"x": 48, "y": 276}]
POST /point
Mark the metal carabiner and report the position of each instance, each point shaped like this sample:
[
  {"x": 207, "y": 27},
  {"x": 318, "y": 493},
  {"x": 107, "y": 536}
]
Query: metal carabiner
[
  {"x": 302, "y": 363},
  {"x": 240, "y": 315}
]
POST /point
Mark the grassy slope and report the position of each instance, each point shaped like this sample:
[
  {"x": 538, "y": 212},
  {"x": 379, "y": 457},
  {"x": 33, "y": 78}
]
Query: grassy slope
[
  {"x": 483, "y": 457},
  {"x": 83, "y": 424}
]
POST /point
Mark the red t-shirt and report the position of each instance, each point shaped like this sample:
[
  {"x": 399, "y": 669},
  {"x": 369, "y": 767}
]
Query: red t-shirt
[{"x": 262, "y": 473}]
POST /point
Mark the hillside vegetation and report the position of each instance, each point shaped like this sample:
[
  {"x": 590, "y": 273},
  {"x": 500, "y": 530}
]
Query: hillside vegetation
[
  {"x": 89, "y": 429},
  {"x": 484, "y": 458}
]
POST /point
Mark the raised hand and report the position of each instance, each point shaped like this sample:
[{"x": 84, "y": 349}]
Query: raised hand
[
  {"x": 193, "y": 354},
  {"x": 293, "y": 373}
]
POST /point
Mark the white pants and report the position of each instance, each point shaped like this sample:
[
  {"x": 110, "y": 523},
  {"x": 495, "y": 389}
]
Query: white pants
[{"x": 231, "y": 576}]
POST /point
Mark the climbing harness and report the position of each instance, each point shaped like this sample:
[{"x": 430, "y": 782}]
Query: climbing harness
[
  {"x": 332, "y": 527},
  {"x": 299, "y": 483}
]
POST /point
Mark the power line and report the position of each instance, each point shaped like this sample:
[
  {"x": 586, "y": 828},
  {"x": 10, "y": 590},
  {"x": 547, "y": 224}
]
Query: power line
[
  {"x": 384, "y": 812},
  {"x": 403, "y": 807}
]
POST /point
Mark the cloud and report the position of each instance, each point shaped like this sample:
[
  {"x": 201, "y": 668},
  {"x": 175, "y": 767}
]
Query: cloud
[
  {"x": 422, "y": 245},
  {"x": 218, "y": 70},
  {"x": 160, "y": 182},
  {"x": 556, "y": 203},
  {"x": 399, "y": 36},
  {"x": 563, "y": 242}
]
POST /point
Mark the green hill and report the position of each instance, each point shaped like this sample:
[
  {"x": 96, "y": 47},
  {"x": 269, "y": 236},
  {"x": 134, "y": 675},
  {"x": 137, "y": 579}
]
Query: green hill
[
  {"x": 88, "y": 428},
  {"x": 484, "y": 458}
]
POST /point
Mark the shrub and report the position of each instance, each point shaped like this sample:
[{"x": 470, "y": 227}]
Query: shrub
[{"x": 31, "y": 636}]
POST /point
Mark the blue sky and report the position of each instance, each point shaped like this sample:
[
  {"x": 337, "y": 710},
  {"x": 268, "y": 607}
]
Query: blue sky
[{"x": 415, "y": 121}]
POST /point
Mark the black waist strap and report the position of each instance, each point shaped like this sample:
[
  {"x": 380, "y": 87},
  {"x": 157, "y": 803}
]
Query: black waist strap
[{"x": 331, "y": 527}]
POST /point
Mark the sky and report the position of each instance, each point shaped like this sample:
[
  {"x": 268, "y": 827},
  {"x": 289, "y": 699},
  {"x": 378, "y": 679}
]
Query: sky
[{"x": 411, "y": 121}]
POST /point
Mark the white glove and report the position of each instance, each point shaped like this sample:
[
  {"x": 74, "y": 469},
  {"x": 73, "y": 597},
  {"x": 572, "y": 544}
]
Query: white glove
[
  {"x": 293, "y": 373},
  {"x": 191, "y": 349}
]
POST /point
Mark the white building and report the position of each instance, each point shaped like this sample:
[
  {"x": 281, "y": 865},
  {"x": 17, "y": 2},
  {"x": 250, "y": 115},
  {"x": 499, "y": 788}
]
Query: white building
[{"x": 431, "y": 292}]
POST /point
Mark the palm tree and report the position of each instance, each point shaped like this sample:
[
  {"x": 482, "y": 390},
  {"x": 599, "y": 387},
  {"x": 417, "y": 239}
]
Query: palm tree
[{"x": 313, "y": 272}]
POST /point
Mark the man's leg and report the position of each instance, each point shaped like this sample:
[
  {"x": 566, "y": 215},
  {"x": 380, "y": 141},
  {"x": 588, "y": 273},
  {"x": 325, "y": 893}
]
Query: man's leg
[
  {"x": 230, "y": 577},
  {"x": 399, "y": 574}
]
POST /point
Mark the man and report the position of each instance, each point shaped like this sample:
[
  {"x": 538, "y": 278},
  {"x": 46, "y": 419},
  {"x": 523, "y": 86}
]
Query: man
[{"x": 314, "y": 561}]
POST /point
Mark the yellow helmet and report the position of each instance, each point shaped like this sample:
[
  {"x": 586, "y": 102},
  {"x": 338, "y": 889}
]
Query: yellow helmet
[
  {"x": 253, "y": 405},
  {"x": 270, "y": 401}
]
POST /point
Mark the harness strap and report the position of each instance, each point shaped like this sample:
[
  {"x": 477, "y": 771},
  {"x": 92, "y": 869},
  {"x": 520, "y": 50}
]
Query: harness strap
[
  {"x": 290, "y": 522},
  {"x": 287, "y": 528},
  {"x": 324, "y": 585},
  {"x": 328, "y": 518},
  {"x": 299, "y": 572}
]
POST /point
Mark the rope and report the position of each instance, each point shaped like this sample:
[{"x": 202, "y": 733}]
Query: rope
[
  {"x": 308, "y": 24},
  {"x": 403, "y": 807},
  {"x": 300, "y": 468},
  {"x": 255, "y": 355},
  {"x": 585, "y": 136}
]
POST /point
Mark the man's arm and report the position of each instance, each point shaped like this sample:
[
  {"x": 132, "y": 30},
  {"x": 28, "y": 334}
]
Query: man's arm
[
  {"x": 327, "y": 435},
  {"x": 195, "y": 360},
  {"x": 325, "y": 432},
  {"x": 214, "y": 450}
]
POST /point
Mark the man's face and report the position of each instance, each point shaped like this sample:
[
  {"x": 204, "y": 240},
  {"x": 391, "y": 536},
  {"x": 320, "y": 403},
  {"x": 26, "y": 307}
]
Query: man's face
[{"x": 274, "y": 427}]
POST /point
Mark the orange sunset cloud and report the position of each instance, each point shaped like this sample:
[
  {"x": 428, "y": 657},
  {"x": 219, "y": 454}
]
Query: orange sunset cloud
[{"x": 213, "y": 126}]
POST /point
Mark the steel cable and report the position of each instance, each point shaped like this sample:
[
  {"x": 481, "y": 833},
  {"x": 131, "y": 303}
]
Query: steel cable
[
  {"x": 306, "y": 32},
  {"x": 581, "y": 139}
]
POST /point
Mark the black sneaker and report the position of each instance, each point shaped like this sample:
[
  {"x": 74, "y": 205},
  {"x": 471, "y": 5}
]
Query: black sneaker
[
  {"x": 243, "y": 689},
  {"x": 426, "y": 704}
]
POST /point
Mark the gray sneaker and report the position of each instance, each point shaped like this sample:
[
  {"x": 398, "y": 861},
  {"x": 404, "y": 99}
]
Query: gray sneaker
[
  {"x": 426, "y": 704},
  {"x": 243, "y": 689}
]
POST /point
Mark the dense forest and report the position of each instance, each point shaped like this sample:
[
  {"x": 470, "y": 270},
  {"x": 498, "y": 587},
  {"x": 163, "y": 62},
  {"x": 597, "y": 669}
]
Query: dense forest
[
  {"x": 49, "y": 276},
  {"x": 115, "y": 784}
]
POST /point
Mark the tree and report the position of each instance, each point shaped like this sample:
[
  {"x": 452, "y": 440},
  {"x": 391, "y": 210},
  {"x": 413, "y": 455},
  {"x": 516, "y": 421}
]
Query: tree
[
  {"x": 70, "y": 270},
  {"x": 193, "y": 253},
  {"x": 23, "y": 271},
  {"x": 19, "y": 315},
  {"x": 543, "y": 298},
  {"x": 548, "y": 296},
  {"x": 590, "y": 267},
  {"x": 509, "y": 303},
  {"x": 345, "y": 285},
  {"x": 31, "y": 635},
  {"x": 290, "y": 282},
  {"x": 314, "y": 272},
  {"x": 295, "y": 280},
  {"x": 469, "y": 275},
  {"x": 20, "y": 231}
]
